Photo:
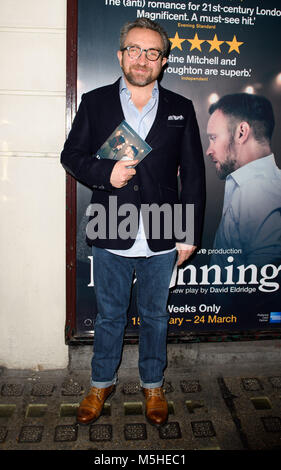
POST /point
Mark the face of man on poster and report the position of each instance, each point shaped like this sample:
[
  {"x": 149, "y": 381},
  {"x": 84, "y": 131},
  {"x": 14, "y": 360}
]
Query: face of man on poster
[
  {"x": 223, "y": 146},
  {"x": 233, "y": 143}
]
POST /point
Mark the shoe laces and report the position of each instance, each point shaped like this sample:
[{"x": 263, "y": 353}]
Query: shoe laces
[
  {"x": 97, "y": 392},
  {"x": 154, "y": 392}
]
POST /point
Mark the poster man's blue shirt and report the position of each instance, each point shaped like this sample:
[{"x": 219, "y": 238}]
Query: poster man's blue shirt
[{"x": 251, "y": 219}]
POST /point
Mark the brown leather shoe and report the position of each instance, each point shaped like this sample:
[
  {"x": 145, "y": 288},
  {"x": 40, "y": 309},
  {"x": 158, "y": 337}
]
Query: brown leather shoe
[
  {"x": 91, "y": 407},
  {"x": 156, "y": 406}
]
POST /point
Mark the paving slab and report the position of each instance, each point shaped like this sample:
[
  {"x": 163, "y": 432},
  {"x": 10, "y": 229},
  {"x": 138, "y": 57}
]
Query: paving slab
[{"x": 219, "y": 408}]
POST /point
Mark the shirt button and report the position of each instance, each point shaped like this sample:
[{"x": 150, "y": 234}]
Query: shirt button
[{"x": 136, "y": 187}]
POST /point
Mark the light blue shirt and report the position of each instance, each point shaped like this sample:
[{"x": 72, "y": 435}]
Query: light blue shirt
[
  {"x": 141, "y": 122},
  {"x": 251, "y": 219}
]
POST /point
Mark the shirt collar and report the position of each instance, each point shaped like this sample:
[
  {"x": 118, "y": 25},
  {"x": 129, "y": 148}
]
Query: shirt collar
[
  {"x": 253, "y": 168},
  {"x": 124, "y": 89}
]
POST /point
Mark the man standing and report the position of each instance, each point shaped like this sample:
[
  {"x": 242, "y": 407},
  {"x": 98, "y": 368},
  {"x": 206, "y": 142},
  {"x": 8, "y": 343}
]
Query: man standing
[
  {"x": 168, "y": 124},
  {"x": 240, "y": 130}
]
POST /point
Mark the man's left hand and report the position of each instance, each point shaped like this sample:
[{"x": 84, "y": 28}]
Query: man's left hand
[{"x": 184, "y": 252}]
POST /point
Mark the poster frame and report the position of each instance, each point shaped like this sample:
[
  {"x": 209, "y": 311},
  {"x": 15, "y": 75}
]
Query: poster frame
[{"x": 71, "y": 335}]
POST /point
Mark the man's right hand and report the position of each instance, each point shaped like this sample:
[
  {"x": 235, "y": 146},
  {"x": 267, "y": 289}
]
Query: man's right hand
[{"x": 121, "y": 174}]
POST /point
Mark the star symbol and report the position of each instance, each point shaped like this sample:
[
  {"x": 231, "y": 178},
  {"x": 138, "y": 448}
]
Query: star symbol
[
  {"x": 196, "y": 43},
  {"x": 215, "y": 44},
  {"x": 176, "y": 41},
  {"x": 234, "y": 45}
]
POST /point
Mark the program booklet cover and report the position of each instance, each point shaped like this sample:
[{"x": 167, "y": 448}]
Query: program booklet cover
[{"x": 124, "y": 144}]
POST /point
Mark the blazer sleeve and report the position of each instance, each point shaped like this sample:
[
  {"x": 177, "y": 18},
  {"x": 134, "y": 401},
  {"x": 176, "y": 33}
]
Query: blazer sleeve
[
  {"x": 77, "y": 155},
  {"x": 192, "y": 178}
]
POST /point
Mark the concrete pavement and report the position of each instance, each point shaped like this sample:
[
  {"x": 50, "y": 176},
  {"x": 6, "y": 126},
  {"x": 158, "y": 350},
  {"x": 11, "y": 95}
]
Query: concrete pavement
[{"x": 222, "y": 396}]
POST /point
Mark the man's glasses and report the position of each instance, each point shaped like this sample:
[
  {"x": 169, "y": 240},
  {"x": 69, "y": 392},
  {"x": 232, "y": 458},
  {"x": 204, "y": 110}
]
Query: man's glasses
[{"x": 134, "y": 52}]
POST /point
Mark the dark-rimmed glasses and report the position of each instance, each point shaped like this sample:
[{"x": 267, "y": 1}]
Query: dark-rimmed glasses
[{"x": 134, "y": 52}]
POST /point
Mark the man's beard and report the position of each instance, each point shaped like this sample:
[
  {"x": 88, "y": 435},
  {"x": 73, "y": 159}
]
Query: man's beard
[
  {"x": 230, "y": 163},
  {"x": 134, "y": 79},
  {"x": 226, "y": 168}
]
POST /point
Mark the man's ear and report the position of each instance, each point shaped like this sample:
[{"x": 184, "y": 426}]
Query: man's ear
[
  {"x": 243, "y": 132},
  {"x": 119, "y": 55}
]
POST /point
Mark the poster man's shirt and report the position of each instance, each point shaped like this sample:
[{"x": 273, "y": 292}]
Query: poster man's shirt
[{"x": 251, "y": 219}]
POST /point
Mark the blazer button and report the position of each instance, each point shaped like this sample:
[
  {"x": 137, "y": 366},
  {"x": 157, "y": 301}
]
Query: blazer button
[{"x": 136, "y": 187}]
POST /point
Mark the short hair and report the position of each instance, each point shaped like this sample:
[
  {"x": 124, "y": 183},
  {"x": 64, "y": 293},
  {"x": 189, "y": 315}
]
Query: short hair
[
  {"x": 146, "y": 24},
  {"x": 256, "y": 110}
]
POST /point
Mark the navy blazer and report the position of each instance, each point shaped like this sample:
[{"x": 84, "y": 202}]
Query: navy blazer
[{"x": 175, "y": 141}]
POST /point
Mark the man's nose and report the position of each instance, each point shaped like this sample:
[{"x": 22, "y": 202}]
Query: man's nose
[
  {"x": 142, "y": 58},
  {"x": 209, "y": 151}
]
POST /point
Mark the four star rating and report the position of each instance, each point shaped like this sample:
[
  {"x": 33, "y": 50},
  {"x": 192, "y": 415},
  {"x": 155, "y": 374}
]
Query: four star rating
[{"x": 215, "y": 44}]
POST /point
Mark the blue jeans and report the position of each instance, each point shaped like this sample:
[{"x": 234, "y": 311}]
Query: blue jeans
[{"x": 113, "y": 276}]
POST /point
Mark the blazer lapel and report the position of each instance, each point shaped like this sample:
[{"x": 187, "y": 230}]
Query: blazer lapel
[
  {"x": 113, "y": 101},
  {"x": 161, "y": 117}
]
